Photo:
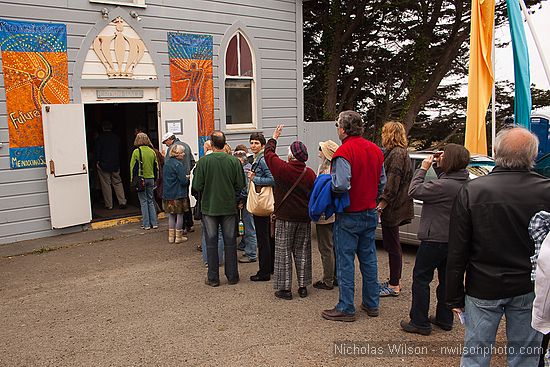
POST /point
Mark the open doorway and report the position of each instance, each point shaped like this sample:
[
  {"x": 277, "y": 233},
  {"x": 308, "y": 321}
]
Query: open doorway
[{"x": 126, "y": 120}]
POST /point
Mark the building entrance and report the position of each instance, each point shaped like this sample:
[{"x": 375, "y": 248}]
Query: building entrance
[{"x": 126, "y": 120}]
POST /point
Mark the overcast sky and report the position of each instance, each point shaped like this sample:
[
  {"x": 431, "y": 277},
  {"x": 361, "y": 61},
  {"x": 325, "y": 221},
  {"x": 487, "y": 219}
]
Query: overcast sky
[{"x": 504, "y": 68}]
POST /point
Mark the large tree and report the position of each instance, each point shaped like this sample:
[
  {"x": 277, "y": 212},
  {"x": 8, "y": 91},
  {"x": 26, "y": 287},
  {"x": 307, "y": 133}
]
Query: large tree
[{"x": 385, "y": 58}]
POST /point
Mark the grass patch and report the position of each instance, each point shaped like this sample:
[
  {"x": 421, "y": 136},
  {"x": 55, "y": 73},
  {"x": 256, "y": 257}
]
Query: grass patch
[{"x": 43, "y": 250}]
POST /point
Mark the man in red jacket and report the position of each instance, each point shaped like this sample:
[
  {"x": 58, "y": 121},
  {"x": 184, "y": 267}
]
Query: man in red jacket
[
  {"x": 357, "y": 167},
  {"x": 292, "y": 227}
]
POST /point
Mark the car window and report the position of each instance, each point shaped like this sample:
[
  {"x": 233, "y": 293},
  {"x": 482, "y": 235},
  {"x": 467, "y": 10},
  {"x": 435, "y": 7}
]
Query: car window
[{"x": 430, "y": 175}]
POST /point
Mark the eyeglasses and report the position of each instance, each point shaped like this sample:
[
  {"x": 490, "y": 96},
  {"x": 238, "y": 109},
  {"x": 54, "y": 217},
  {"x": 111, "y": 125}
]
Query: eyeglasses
[{"x": 336, "y": 124}]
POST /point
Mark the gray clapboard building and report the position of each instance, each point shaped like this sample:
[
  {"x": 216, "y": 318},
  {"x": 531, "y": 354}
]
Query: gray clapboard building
[{"x": 155, "y": 66}]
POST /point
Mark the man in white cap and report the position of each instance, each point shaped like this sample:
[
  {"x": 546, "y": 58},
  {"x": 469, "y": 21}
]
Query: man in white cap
[{"x": 169, "y": 139}]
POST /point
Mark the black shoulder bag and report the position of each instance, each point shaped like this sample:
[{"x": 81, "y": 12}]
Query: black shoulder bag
[{"x": 138, "y": 181}]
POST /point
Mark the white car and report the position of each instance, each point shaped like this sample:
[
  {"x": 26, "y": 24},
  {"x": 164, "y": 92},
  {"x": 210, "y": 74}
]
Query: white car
[{"x": 479, "y": 166}]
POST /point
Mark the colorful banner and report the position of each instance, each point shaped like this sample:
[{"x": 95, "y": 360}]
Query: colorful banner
[
  {"x": 480, "y": 75},
  {"x": 522, "y": 78},
  {"x": 191, "y": 77},
  {"x": 34, "y": 63}
]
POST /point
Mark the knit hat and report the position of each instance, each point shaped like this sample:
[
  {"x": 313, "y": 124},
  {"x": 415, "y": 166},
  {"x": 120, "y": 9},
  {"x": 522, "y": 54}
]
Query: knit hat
[
  {"x": 328, "y": 148},
  {"x": 299, "y": 151}
]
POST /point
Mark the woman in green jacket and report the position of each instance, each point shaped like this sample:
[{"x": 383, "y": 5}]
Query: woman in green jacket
[{"x": 148, "y": 169}]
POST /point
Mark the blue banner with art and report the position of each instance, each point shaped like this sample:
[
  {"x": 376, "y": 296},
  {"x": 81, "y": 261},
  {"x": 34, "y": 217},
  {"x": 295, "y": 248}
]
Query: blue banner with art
[
  {"x": 191, "y": 77},
  {"x": 34, "y": 65}
]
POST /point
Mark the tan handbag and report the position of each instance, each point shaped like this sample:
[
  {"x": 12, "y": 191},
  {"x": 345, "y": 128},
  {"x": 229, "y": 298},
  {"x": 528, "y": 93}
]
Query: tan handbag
[{"x": 260, "y": 201}]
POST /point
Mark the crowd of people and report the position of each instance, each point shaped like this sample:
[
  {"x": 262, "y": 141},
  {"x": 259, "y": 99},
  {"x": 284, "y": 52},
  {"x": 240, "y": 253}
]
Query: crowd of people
[{"x": 487, "y": 238}]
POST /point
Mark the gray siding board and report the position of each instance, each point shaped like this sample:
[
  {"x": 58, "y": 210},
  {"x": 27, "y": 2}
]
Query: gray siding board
[
  {"x": 279, "y": 103},
  {"x": 4, "y": 135},
  {"x": 22, "y": 214},
  {"x": 278, "y": 93},
  {"x": 279, "y": 112},
  {"x": 22, "y": 188},
  {"x": 277, "y": 5},
  {"x": 23, "y": 227},
  {"x": 20, "y": 175},
  {"x": 288, "y": 74},
  {"x": 217, "y": 8},
  {"x": 278, "y": 64},
  {"x": 23, "y": 201},
  {"x": 34, "y": 234},
  {"x": 280, "y": 84},
  {"x": 270, "y": 53},
  {"x": 270, "y": 123}
]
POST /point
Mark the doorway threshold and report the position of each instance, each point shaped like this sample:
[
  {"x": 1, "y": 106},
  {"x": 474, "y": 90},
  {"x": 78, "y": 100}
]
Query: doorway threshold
[{"x": 101, "y": 224}]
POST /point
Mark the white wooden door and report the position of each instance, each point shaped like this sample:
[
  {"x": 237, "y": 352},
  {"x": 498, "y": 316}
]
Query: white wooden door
[
  {"x": 66, "y": 164},
  {"x": 184, "y": 114},
  {"x": 172, "y": 114}
]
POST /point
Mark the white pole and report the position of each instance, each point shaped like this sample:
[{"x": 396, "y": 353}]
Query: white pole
[{"x": 537, "y": 43}]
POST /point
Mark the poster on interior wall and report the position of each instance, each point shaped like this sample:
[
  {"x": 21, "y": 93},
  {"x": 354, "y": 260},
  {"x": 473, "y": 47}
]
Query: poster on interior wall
[
  {"x": 191, "y": 77},
  {"x": 34, "y": 65}
]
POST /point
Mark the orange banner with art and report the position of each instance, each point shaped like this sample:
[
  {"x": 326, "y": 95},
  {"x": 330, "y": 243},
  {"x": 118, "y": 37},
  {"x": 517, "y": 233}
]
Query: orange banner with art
[
  {"x": 191, "y": 77},
  {"x": 34, "y": 64}
]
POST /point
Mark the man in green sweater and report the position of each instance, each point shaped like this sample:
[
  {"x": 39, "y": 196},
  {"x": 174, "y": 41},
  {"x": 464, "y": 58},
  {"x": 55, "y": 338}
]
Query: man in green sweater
[{"x": 219, "y": 177}]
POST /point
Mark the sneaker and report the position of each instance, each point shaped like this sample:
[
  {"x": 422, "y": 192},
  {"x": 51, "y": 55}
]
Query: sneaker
[
  {"x": 410, "y": 328},
  {"x": 155, "y": 227},
  {"x": 146, "y": 228},
  {"x": 122, "y": 206},
  {"x": 389, "y": 292}
]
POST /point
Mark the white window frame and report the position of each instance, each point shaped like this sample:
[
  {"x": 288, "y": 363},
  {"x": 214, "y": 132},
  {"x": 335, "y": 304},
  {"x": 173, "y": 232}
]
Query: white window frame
[
  {"x": 134, "y": 3},
  {"x": 253, "y": 94}
]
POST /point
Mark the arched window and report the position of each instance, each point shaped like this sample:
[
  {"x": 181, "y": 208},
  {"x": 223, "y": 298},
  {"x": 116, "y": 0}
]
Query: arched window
[{"x": 240, "y": 84}]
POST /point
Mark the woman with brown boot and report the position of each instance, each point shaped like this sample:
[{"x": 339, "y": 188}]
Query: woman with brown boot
[{"x": 175, "y": 192}]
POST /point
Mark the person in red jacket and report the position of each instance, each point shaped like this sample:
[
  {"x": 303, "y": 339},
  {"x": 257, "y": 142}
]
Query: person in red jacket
[
  {"x": 356, "y": 168},
  {"x": 292, "y": 226}
]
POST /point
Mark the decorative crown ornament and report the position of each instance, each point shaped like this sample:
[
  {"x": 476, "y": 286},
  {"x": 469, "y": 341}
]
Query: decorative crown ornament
[{"x": 127, "y": 52}]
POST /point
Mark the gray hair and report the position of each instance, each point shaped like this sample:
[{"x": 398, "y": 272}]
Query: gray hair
[
  {"x": 176, "y": 149},
  {"x": 516, "y": 148},
  {"x": 351, "y": 122},
  {"x": 290, "y": 156}
]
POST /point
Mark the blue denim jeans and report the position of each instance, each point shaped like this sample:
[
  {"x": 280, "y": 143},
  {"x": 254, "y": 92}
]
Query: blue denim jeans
[
  {"x": 248, "y": 241},
  {"x": 482, "y": 320},
  {"x": 203, "y": 245},
  {"x": 228, "y": 224},
  {"x": 146, "y": 200},
  {"x": 353, "y": 234}
]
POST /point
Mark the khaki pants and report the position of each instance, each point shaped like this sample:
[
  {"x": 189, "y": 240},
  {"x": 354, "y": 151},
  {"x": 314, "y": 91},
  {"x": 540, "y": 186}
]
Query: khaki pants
[
  {"x": 106, "y": 179},
  {"x": 324, "y": 243}
]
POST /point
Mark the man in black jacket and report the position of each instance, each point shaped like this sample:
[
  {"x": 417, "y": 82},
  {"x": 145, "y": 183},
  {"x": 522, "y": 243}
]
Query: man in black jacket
[
  {"x": 488, "y": 240},
  {"x": 108, "y": 166}
]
